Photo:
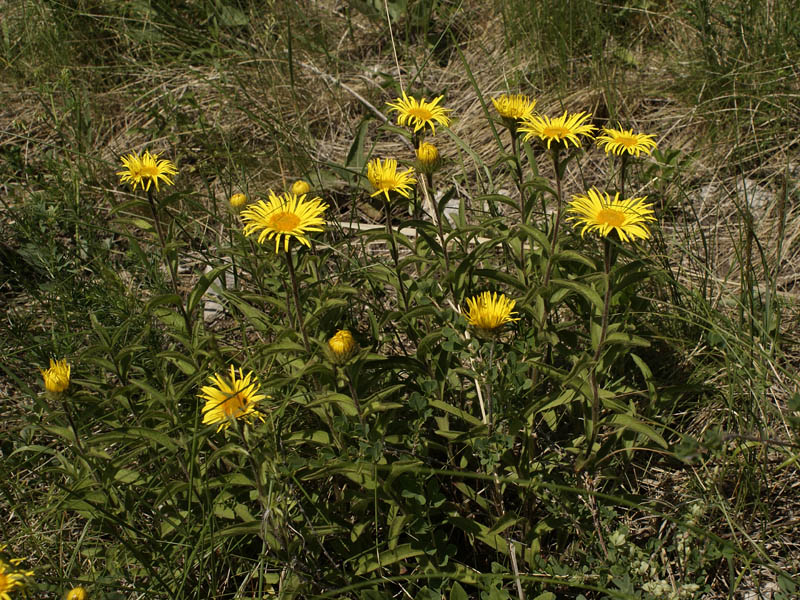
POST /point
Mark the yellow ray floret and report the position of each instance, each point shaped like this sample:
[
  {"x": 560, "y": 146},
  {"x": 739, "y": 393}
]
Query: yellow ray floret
[
  {"x": 620, "y": 141},
  {"x": 488, "y": 311},
  {"x": 11, "y": 577},
  {"x": 562, "y": 130},
  {"x": 385, "y": 178},
  {"x": 419, "y": 113},
  {"x": 56, "y": 378},
  {"x": 230, "y": 398},
  {"x": 515, "y": 106},
  {"x": 598, "y": 211},
  {"x": 141, "y": 169},
  {"x": 286, "y": 216}
]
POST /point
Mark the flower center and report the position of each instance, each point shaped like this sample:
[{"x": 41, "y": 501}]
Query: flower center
[
  {"x": 423, "y": 114},
  {"x": 234, "y": 406},
  {"x": 626, "y": 141},
  {"x": 284, "y": 221},
  {"x": 555, "y": 131},
  {"x": 611, "y": 217},
  {"x": 387, "y": 183},
  {"x": 148, "y": 171}
]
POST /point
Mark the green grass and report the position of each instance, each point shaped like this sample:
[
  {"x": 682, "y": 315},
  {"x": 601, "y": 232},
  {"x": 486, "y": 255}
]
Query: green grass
[{"x": 653, "y": 460}]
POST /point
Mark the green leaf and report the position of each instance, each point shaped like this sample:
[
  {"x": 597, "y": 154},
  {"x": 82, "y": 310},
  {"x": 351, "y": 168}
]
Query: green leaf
[
  {"x": 205, "y": 281},
  {"x": 370, "y": 563},
  {"x": 455, "y": 411},
  {"x": 307, "y": 435},
  {"x": 184, "y": 363},
  {"x": 243, "y": 529},
  {"x": 629, "y": 422},
  {"x": 356, "y": 157},
  {"x": 496, "y": 275},
  {"x": 134, "y": 434},
  {"x": 538, "y": 235},
  {"x": 626, "y": 339},
  {"x": 584, "y": 290},
  {"x": 457, "y": 592}
]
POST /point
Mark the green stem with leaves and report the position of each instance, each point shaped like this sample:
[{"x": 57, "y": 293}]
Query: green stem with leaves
[
  {"x": 607, "y": 249},
  {"x": 296, "y": 295}
]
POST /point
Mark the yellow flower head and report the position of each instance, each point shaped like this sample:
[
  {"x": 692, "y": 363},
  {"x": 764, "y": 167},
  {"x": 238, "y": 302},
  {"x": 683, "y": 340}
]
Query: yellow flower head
[
  {"x": 562, "y": 130},
  {"x": 145, "y": 168},
  {"x": 488, "y": 312},
  {"x": 597, "y": 211},
  {"x": 385, "y": 178},
  {"x": 286, "y": 216},
  {"x": 238, "y": 201},
  {"x": 428, "y": 157},
  {"x": 76, "y": 593},
  {"x": 619, "y": 141},
  {"x": 342, "y": 345},
  {"x": 11, "y": 578},
  {"x": 300, "y": 187},
  {"x": 420, "y": 113},
  {"x": 56, "y": 378},
  {"x": 515, "y": 107},
  {"x": 230, "y": 398}
]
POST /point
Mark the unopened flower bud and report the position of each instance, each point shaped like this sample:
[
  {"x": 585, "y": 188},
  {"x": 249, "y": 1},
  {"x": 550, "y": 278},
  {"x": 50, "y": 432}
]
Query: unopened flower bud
[
  {"x": 428, "y": 157},
  {"x": 238, "y": 201},
  {"x": 342, "y": 345},
  {"x": 300, "y": 187}
]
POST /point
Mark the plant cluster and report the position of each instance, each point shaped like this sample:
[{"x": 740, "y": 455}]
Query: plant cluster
[{"x": 407, "y": 415}]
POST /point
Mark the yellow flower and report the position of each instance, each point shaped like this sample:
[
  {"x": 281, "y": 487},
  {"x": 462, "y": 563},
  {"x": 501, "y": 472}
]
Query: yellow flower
[
  {"x": 619, "y": 141},
  {"x": 76, "y": 593},
  {"x": 420, "y": 113},
  {"x": 230, "y": 398},
  {"x": 562, "y": 130},
  {"x": 428, "y": 157},
  {"x": 597, "y": 210},
  {"x": 238, "y": 201},
  {"x": 146, "y": 167},
  {"x": 342, "y": 345},
  {"x": 56, "y": 378},
  {"x": 514, "y": 108},
  {"x": 286, "y": 216},
  {"x": 300, "y": 187},
  {"x": 385, "y": 178},
  {"x": 488, "y": 312},
  {"x": 11, "y": 578}
]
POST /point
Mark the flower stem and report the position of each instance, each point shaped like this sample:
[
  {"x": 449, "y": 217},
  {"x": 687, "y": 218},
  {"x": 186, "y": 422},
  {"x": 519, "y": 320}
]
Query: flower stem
[
  {"x": 395, "y": 254},
  {"x": 522, "y": 215},
  {"x": 489, "y": 403},
  {"x": 296, "y": 295},
  {"x": 557, "y": 224},
  {"x": 622, "y": 167},
  {"x": 72, "y": 424},
  {"x": 172, "y": 267},
  {"x": 429, "y": 184},
  {"x": 603, "y": 330},
  {"x": 354, "y": 396}
]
